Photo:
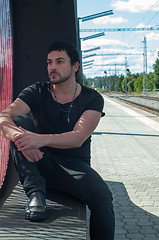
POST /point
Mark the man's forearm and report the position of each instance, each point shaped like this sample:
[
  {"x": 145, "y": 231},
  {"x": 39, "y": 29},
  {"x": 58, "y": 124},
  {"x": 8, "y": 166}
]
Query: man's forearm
[
  {"x": 67, "y": 140},
  {"x": 29, "y": 140},
  {"x": 8, "y": 129}
]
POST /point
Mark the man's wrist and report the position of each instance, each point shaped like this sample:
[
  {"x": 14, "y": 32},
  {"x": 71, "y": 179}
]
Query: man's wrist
[{"x": 45, "y": 140}]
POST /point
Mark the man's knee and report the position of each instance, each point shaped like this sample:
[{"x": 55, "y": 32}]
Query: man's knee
[
  {"x": 25, "y": 122},
  {"x": 101, "y": 198}
]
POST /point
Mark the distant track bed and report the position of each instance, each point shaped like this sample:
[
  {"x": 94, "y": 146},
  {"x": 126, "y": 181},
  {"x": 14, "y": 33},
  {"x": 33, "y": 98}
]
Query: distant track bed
[{"x": 147, "y": 103}]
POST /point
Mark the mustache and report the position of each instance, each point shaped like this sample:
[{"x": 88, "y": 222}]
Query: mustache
[{"x": 53, "y": 72}]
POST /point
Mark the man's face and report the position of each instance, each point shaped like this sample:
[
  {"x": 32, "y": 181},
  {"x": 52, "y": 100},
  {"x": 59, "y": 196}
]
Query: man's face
[{"x": 59, "y": 67}]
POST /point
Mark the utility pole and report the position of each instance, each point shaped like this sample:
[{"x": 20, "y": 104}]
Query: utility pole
[
  {"x": 145, "y": 66},
  {"x": 115, "y": 78},
  {"x": 126, "y": 66},
  {"x": 154, "y": 81}
]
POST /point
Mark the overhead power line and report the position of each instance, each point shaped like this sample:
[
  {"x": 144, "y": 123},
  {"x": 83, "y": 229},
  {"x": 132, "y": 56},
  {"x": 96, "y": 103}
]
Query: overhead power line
[
  {"x": 118, "y": 29},
  {"x": 110, "y": 54},
  {"x": 113, "y": 64}
]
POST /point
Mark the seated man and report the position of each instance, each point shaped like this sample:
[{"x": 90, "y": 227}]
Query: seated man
[{"x": 51, "y": 148}]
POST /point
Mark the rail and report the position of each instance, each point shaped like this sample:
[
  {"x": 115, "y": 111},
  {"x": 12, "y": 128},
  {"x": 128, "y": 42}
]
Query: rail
[{"x": 137, "y": 101}]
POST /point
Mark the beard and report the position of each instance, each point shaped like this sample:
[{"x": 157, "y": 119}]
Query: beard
[{"x": 58, "y": 78}]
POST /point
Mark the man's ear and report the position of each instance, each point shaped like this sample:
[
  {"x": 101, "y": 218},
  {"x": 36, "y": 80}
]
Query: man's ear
[{"x": 76, "y": 66}]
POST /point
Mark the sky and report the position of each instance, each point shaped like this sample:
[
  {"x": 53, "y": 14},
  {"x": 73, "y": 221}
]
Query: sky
[{"x": 126, "y": 14}]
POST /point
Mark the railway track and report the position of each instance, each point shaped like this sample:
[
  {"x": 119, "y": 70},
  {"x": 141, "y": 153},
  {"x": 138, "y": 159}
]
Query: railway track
[
  {"x": 150, "y": 98},
  {"x": 147, "y": 103}
]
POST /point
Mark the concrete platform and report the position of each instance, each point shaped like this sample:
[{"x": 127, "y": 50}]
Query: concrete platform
[{"x": 125, "y": 152}]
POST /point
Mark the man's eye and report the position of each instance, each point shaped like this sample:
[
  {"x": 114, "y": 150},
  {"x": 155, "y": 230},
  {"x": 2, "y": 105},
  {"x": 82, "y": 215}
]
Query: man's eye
[{"x": 60, "y": 61}]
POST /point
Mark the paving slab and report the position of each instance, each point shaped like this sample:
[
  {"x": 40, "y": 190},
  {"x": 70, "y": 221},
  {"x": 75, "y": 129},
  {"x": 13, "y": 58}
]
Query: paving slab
[{"x": 125, "y": 151}]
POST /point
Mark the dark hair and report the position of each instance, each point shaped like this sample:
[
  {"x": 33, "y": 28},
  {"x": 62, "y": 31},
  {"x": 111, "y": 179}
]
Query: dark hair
[{"x": 70, "y": 49}]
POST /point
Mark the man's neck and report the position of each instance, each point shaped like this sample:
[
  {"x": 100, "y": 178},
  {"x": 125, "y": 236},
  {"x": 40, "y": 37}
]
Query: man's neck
[{"x": 64, "y": 93}]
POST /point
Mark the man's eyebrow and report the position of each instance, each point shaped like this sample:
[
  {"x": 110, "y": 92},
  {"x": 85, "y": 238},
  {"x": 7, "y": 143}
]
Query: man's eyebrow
[
  {"x": 56, "y": 59},
  {"x": 60, "y": 58}
]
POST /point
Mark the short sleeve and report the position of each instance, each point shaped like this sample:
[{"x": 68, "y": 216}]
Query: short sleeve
[
  {"x": 96, "y": 103},
  {"x": 28, "y": 95}
]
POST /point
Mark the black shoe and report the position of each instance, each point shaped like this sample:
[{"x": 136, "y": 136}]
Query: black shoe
[{"x": 36, "y": 207}]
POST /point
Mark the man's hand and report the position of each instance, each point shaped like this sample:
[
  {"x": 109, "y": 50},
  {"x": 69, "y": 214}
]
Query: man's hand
[
  {"x": 33, "y": 155},
  {"x": 28, "y": 143},
  {"x": 27, "y": 140}
]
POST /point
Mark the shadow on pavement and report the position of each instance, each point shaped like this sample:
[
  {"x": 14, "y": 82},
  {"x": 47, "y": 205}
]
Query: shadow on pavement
[{"x": 132, "y": 221}]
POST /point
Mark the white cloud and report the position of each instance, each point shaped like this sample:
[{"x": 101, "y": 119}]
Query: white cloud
[
  {"x": 108, "y": 60},
  {"x": 123, "y": 51},
  {"x": 109, "y": 20},
  {"x": 136, "y": 5},
  {"x": 142, "y": 25},
  {"x": 102, "y": 41},
  {"x": 137, "y": 68},
  {"x": 152, "y": 36}
]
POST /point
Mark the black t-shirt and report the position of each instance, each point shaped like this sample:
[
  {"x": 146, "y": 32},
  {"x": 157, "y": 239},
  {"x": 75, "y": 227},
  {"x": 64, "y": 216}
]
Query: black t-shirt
[{"x": 50, "y": 119}]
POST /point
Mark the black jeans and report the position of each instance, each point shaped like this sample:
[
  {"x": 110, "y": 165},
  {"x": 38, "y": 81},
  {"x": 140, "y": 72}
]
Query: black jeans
[{"x": 68, "y": 175}]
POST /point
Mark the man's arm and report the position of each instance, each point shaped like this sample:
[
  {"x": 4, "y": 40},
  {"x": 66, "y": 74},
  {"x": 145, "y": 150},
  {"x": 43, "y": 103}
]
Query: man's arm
[
  {"x": 82, "y": 130},
  {"x": 73, "y": 139},
  {"x": 8, "y": 129}
]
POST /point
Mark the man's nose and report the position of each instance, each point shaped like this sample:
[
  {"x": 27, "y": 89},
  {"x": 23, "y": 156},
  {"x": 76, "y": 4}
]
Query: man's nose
[{"x": 53, "y": 66}]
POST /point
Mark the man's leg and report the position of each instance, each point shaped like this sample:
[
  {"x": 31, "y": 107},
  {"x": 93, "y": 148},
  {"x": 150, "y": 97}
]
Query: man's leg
[
  {"x": 28, "y": 172},
  {"x": 80, "y": 180},
  {"x": 102, "y": 221},
  {"x": 29, "y": 175},
  {"x": 98, "y": 197}
]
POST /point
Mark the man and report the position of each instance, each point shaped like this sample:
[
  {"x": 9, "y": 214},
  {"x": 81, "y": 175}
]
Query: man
[{"x": 53, "y": 152}]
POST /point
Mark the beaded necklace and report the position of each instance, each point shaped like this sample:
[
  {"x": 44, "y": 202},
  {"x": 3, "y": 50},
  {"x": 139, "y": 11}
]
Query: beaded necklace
[{"x": 71, "y": 104}]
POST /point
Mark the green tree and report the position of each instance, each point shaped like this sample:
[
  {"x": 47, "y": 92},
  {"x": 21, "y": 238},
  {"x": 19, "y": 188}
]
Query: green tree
[
  {"x": 120, "y": 79},
  {"x": 156, "y": 70},
  {"x": 150, "y": 81},
  {"x": 85, "y": 81},
  {"x": 138, "y": 84},
  {"x": 130, "y": 81},
  {"x": 130, "y": 84}
]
